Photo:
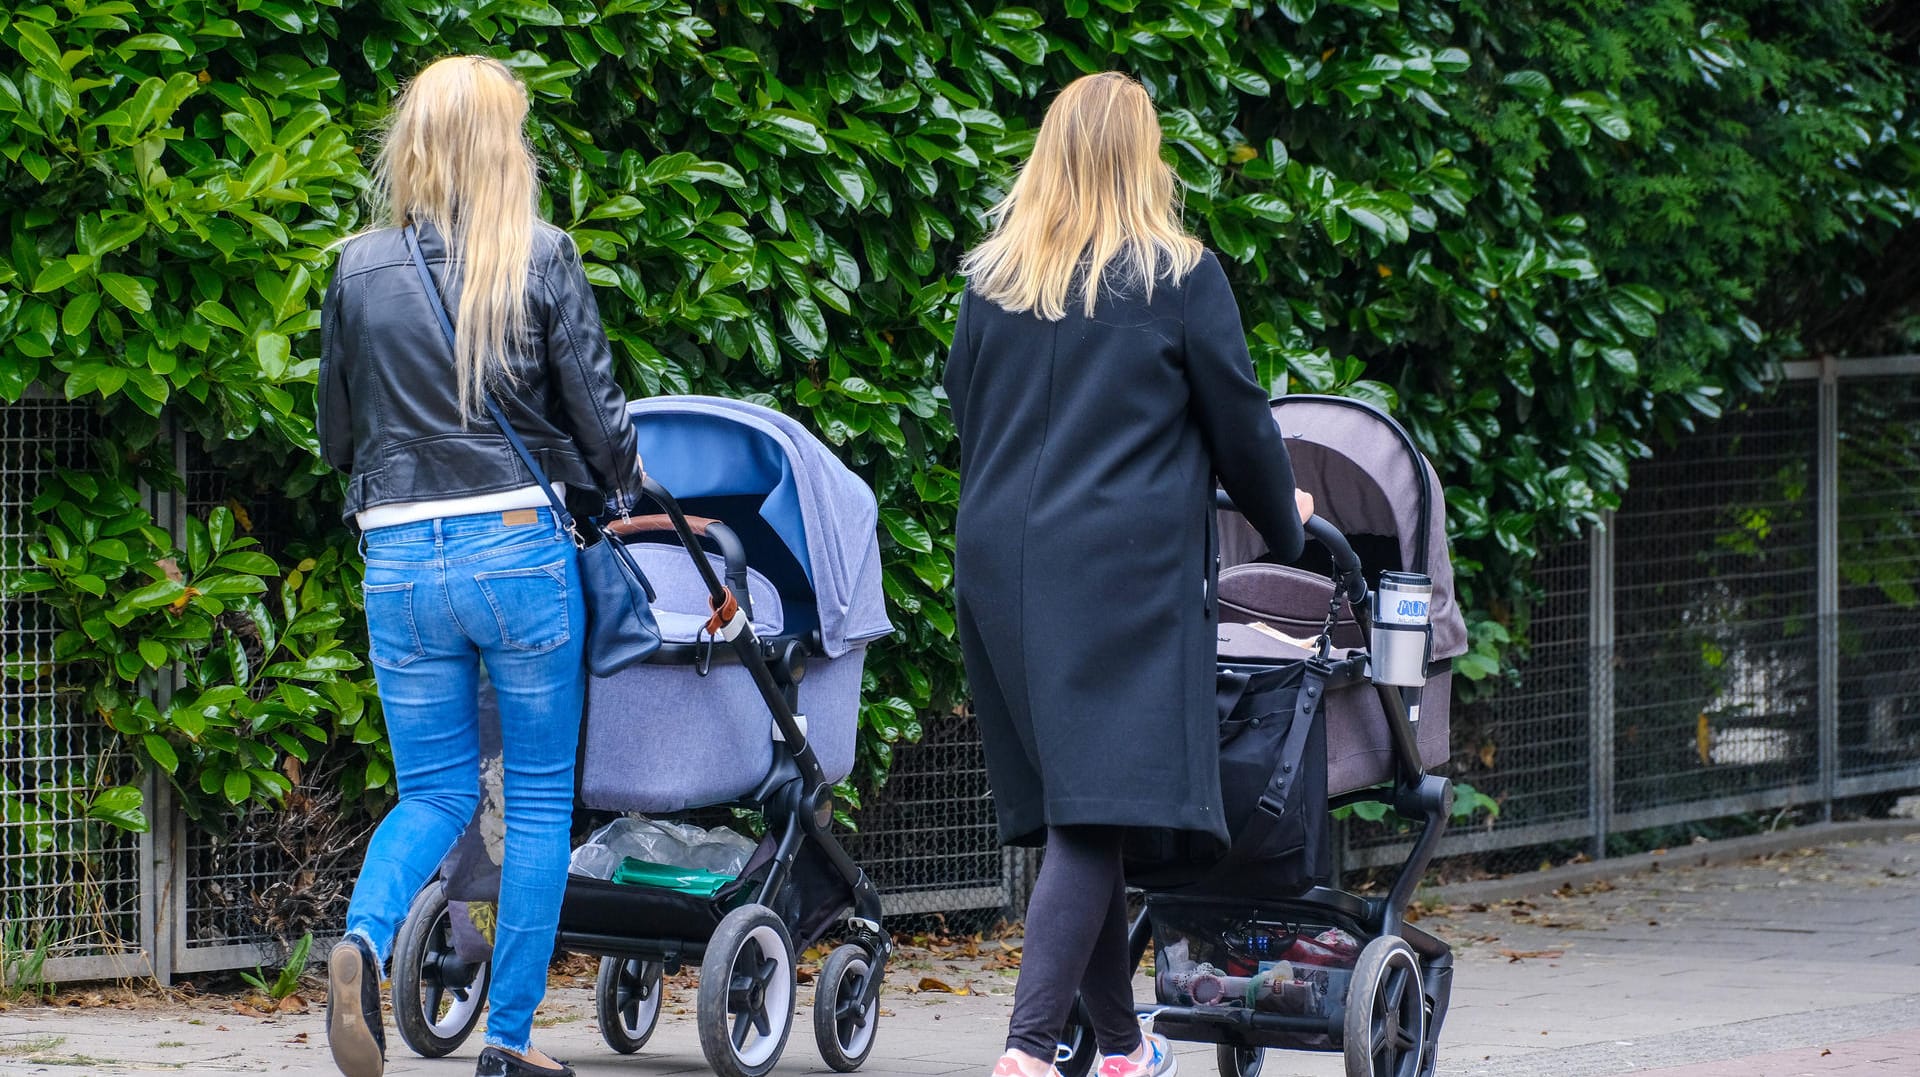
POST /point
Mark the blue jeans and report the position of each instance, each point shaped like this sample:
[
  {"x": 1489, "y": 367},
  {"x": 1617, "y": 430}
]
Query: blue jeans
[{"x": 442, "y": 596}]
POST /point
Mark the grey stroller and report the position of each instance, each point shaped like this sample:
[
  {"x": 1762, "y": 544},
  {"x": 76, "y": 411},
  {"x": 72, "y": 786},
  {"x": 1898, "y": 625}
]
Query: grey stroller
[
  {"x": 766, "y": 565},
  {"x": 1325, "y": 698}
]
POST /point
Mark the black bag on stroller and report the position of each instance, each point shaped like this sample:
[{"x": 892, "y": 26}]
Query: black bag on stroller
[{"x": 1273, "y": 787}]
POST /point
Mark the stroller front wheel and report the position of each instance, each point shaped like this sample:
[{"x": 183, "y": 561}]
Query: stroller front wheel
[
  {"x": 1386, "y": 1024},
  {"x": 842, "y": 1027},
  {"x": 747, "y": 986},
  {"x": 437, "y": 998},
  {"x": 626, "y": 998}
]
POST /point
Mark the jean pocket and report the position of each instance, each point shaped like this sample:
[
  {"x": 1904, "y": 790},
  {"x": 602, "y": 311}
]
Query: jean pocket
[
  {"x": 393, "y": 638},
  {"x": 530, "y": 605}
]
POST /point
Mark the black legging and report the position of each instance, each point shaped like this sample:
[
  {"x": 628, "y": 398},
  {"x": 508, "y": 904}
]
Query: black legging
[{"x": 1076, "y": 940}]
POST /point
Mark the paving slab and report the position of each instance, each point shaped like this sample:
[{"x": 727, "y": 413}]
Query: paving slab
[{"x": 1806, "y": 961}]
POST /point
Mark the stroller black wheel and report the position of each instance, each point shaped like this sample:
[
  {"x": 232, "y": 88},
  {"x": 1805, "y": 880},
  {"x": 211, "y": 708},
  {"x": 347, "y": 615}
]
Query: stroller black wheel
[
  {"x": 842, "y": 1027},
  {"x": 626, "y": 998},
  {"x": 1238, "y": 1061},
  {"x": 437, "y": 998},
  {"x": 747, "y": 986},
  {"x": 1386, "y": 1024},
  {"x": 1078, "y": 1052}
]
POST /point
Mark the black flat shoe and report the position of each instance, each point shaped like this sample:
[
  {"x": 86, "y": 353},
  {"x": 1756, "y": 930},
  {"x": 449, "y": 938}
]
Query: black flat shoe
[
  {"x": 497, "y": 1063},
  {"x": 354, "y": 1030}
]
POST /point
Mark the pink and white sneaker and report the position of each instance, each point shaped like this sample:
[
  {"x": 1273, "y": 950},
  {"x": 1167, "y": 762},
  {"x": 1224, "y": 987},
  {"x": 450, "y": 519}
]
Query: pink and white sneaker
[
  {"x": 1009, "y": 1066},
  {"x": 1159, "y": 1060}
]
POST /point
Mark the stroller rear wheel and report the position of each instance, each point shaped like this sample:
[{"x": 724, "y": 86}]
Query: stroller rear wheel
[
  {"x": 1386, "y": 1011},
  {"x": 626, "y": 998},
  {"x": 437, "y": 998},
  {"x": 747, "y": 986},
  {"x": 842, "y": 1027},
  {"x": 1238, "y": 1061}
]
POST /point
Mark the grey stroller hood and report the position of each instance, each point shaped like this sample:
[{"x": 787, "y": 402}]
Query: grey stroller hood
[
  {"x": 823, "y": 512},
  {"x": 1367, "y": 478}
]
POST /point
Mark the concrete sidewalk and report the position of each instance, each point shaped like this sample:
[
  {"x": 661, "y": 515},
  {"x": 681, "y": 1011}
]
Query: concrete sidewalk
[{"x": 1806, "y": 962}]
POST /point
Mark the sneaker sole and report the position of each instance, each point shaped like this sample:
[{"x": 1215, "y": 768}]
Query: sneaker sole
[{"x": 354, "y": 1050}]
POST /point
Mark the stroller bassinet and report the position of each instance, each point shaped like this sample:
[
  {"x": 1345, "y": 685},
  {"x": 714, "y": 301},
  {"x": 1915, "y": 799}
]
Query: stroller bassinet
[
  {"x": 685, "y": 731},
  {"x": 1370, "y": 483}
]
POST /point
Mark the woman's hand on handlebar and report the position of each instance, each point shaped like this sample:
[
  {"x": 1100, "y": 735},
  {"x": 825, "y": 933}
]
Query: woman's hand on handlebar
[{"x": 1303, "y": 501}]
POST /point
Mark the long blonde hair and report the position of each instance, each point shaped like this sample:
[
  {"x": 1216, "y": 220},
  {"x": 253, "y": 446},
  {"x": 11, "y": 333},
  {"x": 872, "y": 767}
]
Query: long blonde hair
[
  {"x": 456, "y": 156},
  {"x": 1094, "y": 193}
]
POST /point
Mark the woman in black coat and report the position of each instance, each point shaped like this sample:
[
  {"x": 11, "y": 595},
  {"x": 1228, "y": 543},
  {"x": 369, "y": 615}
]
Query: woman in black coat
[{"x": 1100, "y": 382}]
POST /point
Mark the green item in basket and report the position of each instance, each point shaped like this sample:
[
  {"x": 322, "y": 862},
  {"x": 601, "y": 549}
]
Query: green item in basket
[{"x": 693, "y": 882}]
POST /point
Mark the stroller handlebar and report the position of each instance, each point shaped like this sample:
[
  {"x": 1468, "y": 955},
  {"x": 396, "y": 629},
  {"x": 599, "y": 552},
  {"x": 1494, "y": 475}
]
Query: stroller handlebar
[
  {"x": 690, "y": 538},
  {"x": 1346, "y": 564}
]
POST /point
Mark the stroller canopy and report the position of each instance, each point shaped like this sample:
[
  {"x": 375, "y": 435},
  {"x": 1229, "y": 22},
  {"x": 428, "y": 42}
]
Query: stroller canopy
[
  {"x": 701, "y": 446},
  {"x": 1367, "y": 478}
]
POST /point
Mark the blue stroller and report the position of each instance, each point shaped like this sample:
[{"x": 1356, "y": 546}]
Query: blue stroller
[{"x": 766, "y": 564}]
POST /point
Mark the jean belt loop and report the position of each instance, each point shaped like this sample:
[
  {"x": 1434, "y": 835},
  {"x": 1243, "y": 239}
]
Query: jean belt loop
[
  {"x": 439, "y": 532},
  {"x": 362, "y": 543}
]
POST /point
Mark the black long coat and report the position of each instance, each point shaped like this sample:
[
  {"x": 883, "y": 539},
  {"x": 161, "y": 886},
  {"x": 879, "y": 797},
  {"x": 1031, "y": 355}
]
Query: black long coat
[{"x": 1084, "y": 567}]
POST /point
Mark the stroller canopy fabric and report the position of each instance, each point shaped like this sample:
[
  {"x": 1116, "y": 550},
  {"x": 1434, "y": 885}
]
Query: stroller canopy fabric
[
  {"x": 700, "y": 446},
  {"x": 1367, "y": 478}
]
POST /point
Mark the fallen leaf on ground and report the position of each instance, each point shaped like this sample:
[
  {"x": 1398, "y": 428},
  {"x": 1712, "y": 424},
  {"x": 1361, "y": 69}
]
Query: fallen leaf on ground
[
  {"x": 1514, "y": 956},
  {"x": 929, "y": 983}
]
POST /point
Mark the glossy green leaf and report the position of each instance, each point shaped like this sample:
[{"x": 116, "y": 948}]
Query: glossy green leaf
[{"x": 123, "y": 806}]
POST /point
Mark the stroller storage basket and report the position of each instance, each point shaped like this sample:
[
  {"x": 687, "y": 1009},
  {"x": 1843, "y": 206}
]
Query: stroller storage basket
[
  {"x": 1242, "y": 965},
  {"x": 596, "y": 907}
]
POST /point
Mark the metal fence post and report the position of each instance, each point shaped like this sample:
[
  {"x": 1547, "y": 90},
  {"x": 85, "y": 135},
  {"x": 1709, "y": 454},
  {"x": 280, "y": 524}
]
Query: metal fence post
[
  {"x": 1600, "y": 681},
  {"x": 166, "y": 865},
  {"x": 155, "y": 936},
  {"x": 1827, "y": 581}
]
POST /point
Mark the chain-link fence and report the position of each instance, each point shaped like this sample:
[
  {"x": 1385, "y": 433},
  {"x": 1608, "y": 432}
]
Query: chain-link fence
[
  {"x": 1878, "y": 631},
  {"x": 928, "y": 840},
  {"x": 1735, "y": 643},
  {"x": 1716, "y": 648},
  {"x": 1527, "y": 745},
  {"x": 1733, "y": 646},
  {"x": 71, "y": 888},
  {"x": 267, "y": 876}
]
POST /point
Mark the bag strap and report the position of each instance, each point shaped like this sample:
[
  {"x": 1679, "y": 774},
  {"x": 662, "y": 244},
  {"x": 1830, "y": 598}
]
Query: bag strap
[
  {"x": 446, "y": 329},
  {"x": 1313, "y": 685}
]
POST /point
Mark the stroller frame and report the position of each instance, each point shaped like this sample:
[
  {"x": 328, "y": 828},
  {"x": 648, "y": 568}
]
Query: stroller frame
[
  {"x": 795, "y": 797},
  {"x": 1242, "y": 1033}
]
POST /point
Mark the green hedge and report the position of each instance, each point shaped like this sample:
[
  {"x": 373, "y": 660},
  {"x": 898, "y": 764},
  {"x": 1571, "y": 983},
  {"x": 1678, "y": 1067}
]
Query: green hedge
[{"x": 1541, "y": 232}]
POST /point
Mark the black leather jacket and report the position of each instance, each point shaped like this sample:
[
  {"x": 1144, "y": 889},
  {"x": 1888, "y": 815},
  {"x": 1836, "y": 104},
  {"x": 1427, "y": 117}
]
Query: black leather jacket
[{"x": 389, "y": 413}]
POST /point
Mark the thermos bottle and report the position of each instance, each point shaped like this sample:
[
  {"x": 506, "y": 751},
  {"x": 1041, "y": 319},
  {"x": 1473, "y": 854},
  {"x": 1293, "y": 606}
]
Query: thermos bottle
[{"x": 1402, "y": 630}]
